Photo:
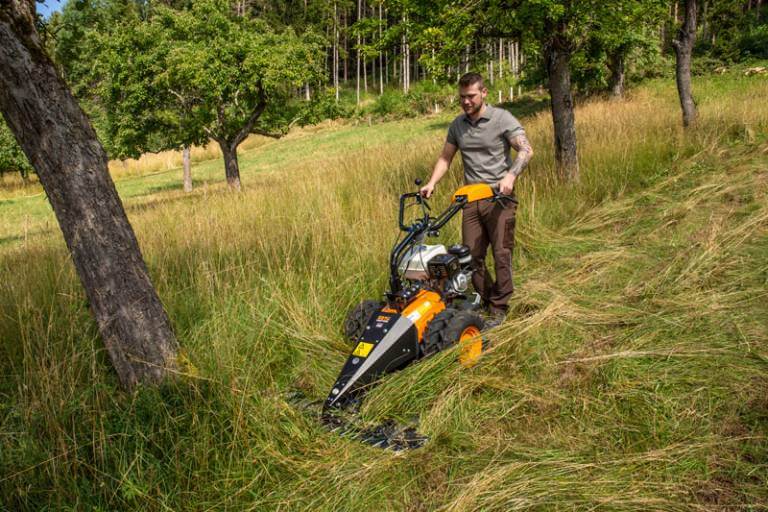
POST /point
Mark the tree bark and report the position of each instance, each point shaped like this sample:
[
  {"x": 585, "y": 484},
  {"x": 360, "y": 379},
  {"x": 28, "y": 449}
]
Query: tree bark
[
  {"x": 489, "y": 49},
  {"x": 406, "y": 57},
  {"x": 336, "y": 50},
  {"x": 71, "y": 164},
  {"x": 382, "y": 67},
  {"x": 617, "y": 78},
  {"x": 357, "y": 54},
  {"x": 683, "y": 44},
  {"x": 185, "y": 157},
  {"x": 501, "y": 59},
  {"x": 231, "y": 167},
  {"x": 558, "y": 59},
  {"x": 346, "y": 46}
]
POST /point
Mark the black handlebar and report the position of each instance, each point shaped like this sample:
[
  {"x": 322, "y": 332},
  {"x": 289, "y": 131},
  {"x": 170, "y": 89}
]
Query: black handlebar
[
  {"x": 426, "y": 225},
  {"x": 419, "y": 200}
]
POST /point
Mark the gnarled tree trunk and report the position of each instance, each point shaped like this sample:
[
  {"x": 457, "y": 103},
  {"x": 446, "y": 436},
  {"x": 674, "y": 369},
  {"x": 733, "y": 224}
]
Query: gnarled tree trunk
[
  {"x": 62, "y": 146},
  {"x": 558, "y": 57},
  {"x": 683, "y": 44},
  {"x": 186, "y": 165},
  {"x": 231, "y": 167}
]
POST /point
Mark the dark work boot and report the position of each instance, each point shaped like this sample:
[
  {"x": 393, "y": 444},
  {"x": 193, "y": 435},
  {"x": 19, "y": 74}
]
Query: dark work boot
[{"x": 495, "y": 317}]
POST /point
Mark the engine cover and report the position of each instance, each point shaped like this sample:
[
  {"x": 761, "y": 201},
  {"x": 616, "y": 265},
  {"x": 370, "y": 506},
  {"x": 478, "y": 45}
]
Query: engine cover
[{"x": 414, "y": 263}]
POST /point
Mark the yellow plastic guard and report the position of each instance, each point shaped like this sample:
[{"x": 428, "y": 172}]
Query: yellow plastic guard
[{"x": 474, "y": 192}]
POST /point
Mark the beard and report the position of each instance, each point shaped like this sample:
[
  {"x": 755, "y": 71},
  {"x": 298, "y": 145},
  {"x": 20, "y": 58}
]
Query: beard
[{"x": 472, "y": 109}]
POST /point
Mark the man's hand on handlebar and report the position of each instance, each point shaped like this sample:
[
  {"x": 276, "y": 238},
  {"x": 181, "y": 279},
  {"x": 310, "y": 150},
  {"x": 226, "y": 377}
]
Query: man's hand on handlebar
[
  {"x": 427, "y": 190},
  {"x": 507, "y": 185}
]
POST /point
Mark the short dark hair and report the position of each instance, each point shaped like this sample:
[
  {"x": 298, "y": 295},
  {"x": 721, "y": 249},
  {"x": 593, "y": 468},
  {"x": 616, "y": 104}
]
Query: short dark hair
[{"x": 471, "y": 78}]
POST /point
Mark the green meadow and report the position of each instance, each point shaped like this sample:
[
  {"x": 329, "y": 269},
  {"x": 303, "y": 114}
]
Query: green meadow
[{"x": 632, "y": 373}]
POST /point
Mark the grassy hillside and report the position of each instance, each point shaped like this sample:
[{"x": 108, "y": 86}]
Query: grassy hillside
[{"x": 630, "y": 376}]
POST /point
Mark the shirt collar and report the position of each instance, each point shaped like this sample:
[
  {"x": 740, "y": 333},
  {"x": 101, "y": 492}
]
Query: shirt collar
[{"x": 484, "y": 115}]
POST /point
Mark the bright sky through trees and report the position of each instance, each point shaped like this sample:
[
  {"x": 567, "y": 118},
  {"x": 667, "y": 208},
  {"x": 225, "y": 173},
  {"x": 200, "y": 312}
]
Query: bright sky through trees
[{"x": 45, "y": 9}]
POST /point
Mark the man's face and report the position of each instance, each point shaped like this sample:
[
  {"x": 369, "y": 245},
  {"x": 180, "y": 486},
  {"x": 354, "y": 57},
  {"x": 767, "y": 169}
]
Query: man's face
[{"x": 472, "y": 98}]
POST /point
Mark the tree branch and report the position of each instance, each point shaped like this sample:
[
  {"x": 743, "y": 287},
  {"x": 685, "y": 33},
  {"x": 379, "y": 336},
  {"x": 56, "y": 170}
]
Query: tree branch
[
  {"x": 248, "y": 128},
  {"x": 257, "y": 131}
]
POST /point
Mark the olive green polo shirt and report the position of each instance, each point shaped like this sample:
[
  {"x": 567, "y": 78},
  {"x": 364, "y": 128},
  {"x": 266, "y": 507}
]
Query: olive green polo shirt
[{"x": 484, "y": 145}]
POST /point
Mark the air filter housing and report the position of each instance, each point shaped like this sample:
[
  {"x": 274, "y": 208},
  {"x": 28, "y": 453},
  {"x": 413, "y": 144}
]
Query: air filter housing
[{"x": 443, "y": 266}]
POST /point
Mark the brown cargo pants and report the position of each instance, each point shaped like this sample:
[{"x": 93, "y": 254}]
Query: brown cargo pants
[{"x": 491, "y": 222}]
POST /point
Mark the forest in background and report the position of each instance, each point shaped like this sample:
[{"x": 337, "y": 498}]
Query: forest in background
[{"x": 347, "y": 59}]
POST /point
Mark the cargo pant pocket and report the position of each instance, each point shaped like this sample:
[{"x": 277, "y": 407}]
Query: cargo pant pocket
[{"x": 509, "y": 233}]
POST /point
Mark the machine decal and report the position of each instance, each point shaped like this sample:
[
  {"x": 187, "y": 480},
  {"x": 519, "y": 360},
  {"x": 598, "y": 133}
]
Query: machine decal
[
  {"x": 363, "y": 349},
  {"x": 413, "y": 317}
]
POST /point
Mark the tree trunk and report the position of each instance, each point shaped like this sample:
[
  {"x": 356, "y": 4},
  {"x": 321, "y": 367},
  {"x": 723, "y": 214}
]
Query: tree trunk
[
  {"x": 346, "y": 47},
  {"x": 336, "y": 50},
  {"x": 185, "y": 157},
  {"x": 231, "y": 167},
  {"x": 406, "y": 57},
  {"x": 71, "y": 164},
  {"x": 489, "y": 49},
  {"x": 382, "y": 67},
  {"x": 357, "y": 54},
  {"x": 501, "y": 59},
  {"x": 686, "y": 37},
  {"x": 616, "y": 80},
  {"x": 558, "y": 68}
]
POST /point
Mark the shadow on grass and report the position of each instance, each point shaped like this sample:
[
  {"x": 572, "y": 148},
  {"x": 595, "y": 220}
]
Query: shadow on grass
[
  {"x": 439, "y": 125},
  {"x": 151, "y": 204},
  {"x": 525, "y": 106},
  {"x": 172, "y": 186},
  {"x": 9, "y": 239}
]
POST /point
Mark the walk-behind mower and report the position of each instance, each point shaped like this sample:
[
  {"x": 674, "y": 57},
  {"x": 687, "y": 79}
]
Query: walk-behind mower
[{"x": 426, "y": 309}]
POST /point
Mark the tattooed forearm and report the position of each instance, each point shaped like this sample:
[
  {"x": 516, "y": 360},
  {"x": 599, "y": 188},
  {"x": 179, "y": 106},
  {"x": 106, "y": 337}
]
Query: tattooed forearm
[{"x": 524, "y": 153}]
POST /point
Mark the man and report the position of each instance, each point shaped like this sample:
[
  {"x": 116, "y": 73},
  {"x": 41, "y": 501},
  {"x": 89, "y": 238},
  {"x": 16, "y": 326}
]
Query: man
[{"x": 485, "y": 134}]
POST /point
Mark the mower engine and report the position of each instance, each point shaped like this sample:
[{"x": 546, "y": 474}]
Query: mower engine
[{"x": 446, "y": 271}]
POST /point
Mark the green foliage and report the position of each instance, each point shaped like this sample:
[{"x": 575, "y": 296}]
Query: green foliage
[
  {"x": 182, "y": 77},
  {"x": 322, "y": 106},
  {"x": 392, "y": 103},
  {"x": 12, "y": 158},
  {"x": 754, "y": 43},
  {"x": 77, "y": 46},
  {"x": 730, "y": 32}
]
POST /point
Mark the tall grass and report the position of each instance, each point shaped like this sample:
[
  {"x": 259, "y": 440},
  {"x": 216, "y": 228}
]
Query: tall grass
[{"x": 630, "y": 376}]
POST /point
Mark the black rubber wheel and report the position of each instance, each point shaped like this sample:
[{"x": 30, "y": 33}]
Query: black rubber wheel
[
  {"x": 358, "y": 318},
  {"x": 447, "y": 328}
]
